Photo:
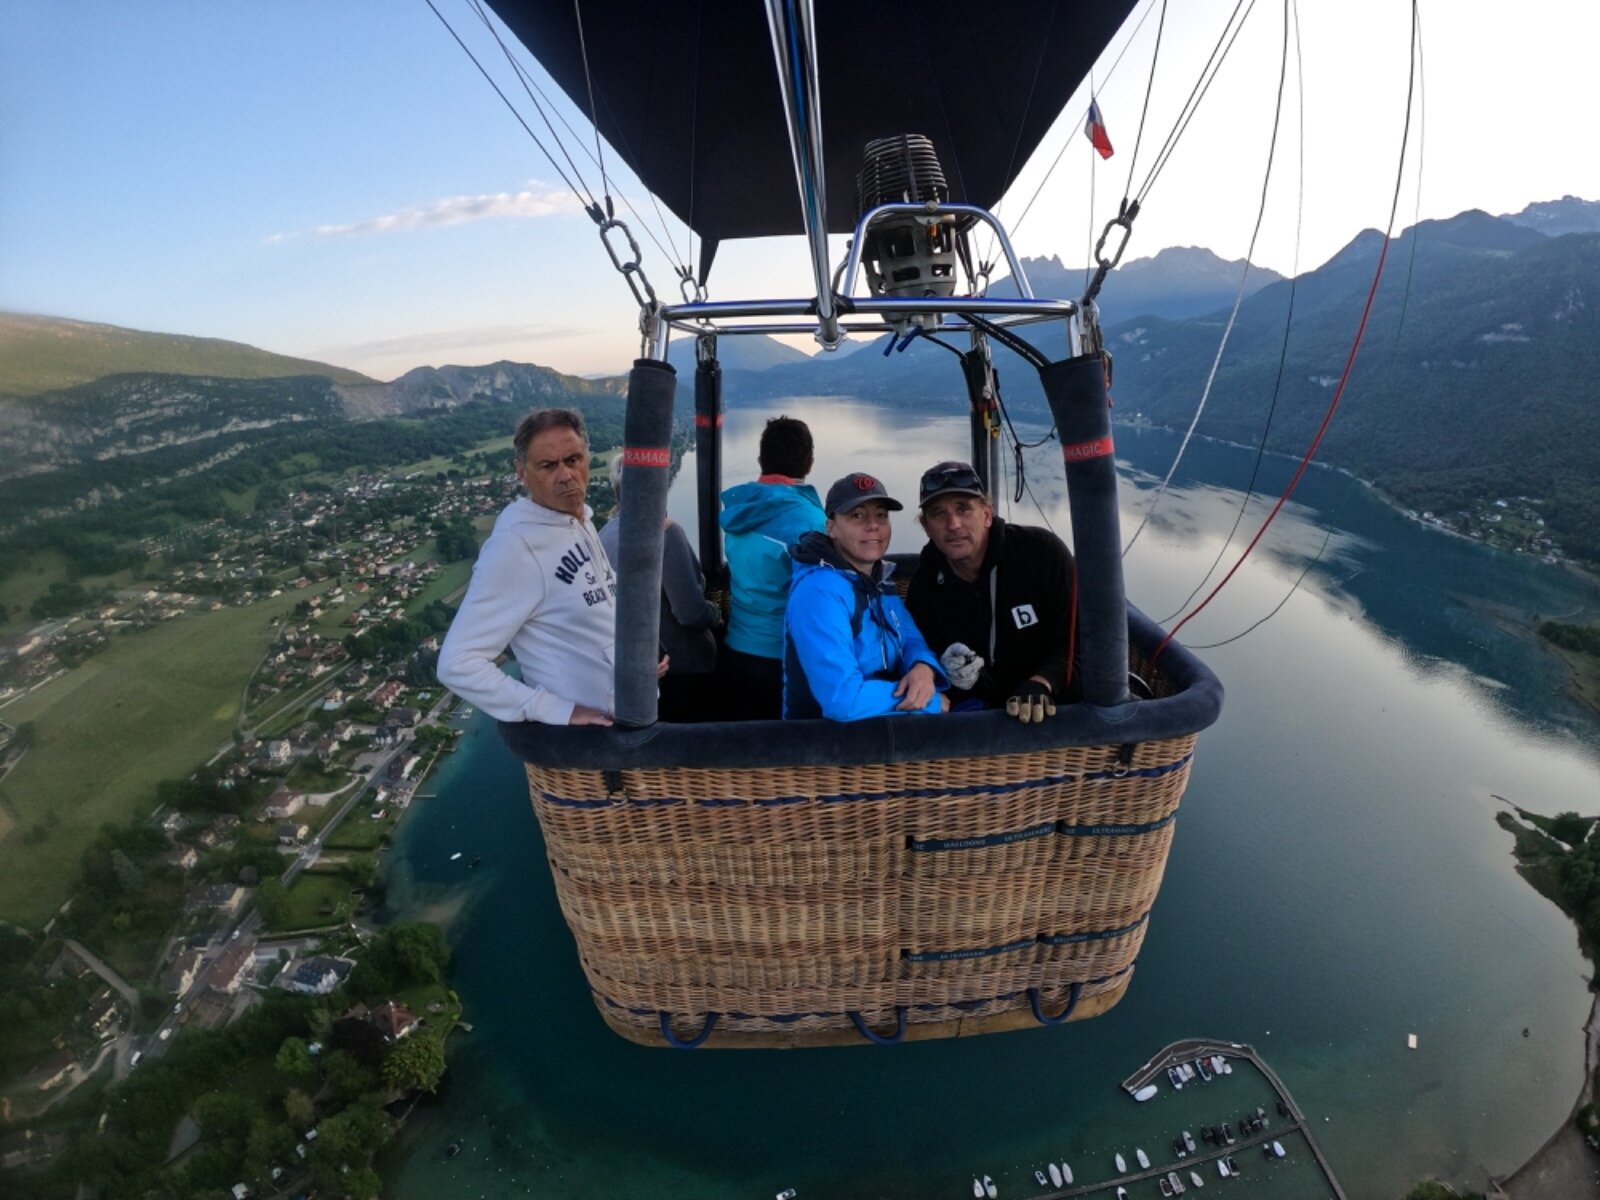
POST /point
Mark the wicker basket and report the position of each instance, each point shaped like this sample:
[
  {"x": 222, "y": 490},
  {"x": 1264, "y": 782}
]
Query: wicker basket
[
  {"x": 790, "y": 906},
  {"x": 914, "y": 878}
]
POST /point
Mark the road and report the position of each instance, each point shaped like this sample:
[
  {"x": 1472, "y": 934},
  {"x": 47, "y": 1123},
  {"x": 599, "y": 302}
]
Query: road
[{"x": 105, "y": 972}]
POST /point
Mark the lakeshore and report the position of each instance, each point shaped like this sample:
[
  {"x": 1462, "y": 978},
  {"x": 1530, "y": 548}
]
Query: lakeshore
[{"x": 1391, "y": 705}]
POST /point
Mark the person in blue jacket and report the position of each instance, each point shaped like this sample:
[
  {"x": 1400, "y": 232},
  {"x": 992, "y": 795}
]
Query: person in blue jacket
[
  {"x": 760, "y": 521},
  {"x": 851, "y": 648}
]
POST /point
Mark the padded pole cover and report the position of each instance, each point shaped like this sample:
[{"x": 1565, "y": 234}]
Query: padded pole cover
[
  {"x": 708, "y": 461},
  {"x": 1081, "y": 406},
  {"x": 646, "y": 471}
]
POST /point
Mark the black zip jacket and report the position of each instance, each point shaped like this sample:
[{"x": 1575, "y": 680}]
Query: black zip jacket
[{"x": 1017, "y": 614}]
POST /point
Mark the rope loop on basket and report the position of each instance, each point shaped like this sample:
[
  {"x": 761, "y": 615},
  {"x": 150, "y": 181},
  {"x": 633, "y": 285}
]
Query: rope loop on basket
[
  {"x": 678, "y": 1043},
  {"x": 1063, "y": 1015},
  {"x": 879, "y": 1039}
]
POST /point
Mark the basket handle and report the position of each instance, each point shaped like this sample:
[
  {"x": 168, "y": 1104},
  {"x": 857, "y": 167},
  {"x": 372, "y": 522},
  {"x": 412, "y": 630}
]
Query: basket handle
[
  {"x": 1063, "y": 1015},
  {"x": 879, "y": 1039},
  {"x": 678, "y": 1043}
]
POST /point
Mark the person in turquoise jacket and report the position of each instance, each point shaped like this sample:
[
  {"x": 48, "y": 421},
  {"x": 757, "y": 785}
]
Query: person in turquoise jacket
[
  {"x": 760, "y": 521},
  {"x": 851, "y": 649}
]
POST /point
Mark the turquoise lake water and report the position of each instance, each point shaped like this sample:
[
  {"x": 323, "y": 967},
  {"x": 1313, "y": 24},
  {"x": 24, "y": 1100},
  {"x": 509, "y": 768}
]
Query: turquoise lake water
[{"x": 1337, "y": 882}]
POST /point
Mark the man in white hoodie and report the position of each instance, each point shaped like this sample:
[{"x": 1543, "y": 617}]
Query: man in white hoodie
[{"x": 543, "y": 587}]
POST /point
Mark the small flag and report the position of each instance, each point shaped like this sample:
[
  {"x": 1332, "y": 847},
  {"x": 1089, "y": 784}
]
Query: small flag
[{"x": 1095, "y": 130}]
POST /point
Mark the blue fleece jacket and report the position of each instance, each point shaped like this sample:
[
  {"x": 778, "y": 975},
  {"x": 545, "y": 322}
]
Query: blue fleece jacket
[
  {"x": 847, "y": 675},
  {"x": 760, "y": 522}
]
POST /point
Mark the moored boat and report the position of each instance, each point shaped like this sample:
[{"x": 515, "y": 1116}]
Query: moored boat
[
  {"x": 1144, "y": 1159},
  {"x": 977, "y": 1188},
  {"x": 1222, "y": 1168},
  {"x": 1122, "y": 1163},
  {"x": 1278, "y": 1150},
  {"x": 1039, "y": 1175},
  {"x": 1188, "y": 1141},
  {"x": 1066, "y": 1173},
  {"x": 1194, "y": 1177},
  {"x": 1176, "y": 1182},
  {"x": 989, "y": 1188},
  {"x": 1145, "y": 1093},
  {"x": 1166, "y": 1188},
  {"x": 1205, "y": 1072},
  {"x": 1055, "y": 1176},
  {"x": 1176, "y": 1078}
]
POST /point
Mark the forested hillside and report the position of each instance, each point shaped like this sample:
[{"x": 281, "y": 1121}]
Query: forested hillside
[{"x": 1487, "y": 388}]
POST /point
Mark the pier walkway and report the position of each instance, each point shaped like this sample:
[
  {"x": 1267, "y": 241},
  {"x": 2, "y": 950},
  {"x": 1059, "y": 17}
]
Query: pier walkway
[{"x": 1204, "y": 1156}]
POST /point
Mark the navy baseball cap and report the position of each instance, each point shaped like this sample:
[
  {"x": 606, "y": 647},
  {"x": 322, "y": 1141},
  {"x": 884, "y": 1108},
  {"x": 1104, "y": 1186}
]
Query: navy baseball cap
[{"x": 855, "y": 490}]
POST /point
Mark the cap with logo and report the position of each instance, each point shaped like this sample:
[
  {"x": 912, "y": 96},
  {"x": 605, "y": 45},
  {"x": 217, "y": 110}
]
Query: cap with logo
[
  {"x": 949, "y": 479},
  {"x": 855, "y": 490}
]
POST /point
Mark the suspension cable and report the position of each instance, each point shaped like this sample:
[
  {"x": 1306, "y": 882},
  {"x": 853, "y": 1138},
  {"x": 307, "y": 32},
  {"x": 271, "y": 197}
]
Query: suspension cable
[
  {"x": 1238, "y": 298},
  {"x": 506, "y": 100},
  {"x": 1288, "y": 319},
  {"x": 1069, "y": 140},
  {"x": 1394, "y": 353},
  {"x": 1350, "y": 359}
]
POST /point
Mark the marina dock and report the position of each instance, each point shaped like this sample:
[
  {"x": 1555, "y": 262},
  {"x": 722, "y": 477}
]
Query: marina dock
[{"x": 1188, "y": 1051}]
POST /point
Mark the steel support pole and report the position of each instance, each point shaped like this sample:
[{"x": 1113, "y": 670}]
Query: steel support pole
[{"x": 794, "y": 47}]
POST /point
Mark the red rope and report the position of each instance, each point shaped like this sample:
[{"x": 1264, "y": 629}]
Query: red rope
[
  {"x": 1349, "y": 362},
  {"x": 1305, "y": 459}
]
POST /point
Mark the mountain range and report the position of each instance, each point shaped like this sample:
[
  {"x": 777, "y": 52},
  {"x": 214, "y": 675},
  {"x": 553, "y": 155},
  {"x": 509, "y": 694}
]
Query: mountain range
[{"x": 1475, "y": 378}]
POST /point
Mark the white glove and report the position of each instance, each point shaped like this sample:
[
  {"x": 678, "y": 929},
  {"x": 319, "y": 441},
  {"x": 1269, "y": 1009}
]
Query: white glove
[{"x": 962, "y": 665}]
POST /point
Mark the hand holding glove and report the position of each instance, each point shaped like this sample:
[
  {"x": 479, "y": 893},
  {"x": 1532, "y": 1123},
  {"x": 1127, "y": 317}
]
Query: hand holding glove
[
  {"x": 961, "y": 665},
  {"x": 1032, "y": 702}
]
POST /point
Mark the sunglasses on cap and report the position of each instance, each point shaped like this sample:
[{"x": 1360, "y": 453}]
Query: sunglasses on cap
[{"x": 946, "y": 477}]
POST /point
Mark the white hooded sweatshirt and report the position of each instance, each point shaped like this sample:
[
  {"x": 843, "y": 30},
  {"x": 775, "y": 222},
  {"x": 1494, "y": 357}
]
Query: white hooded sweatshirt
[{"x": 543, "y": 587}]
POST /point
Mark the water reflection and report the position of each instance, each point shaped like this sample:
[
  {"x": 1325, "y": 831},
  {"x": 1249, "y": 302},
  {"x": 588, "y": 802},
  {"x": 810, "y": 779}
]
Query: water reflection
[{"x": 1336, "y": 883}]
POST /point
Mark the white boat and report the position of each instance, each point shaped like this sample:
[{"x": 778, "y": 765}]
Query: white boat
[
  {"x": 1175, "y": 1182},
  {"x": 1222, "y": 1168},
  {"x": 1176, "y": 1078},
  {"x": 1144, "y": 1159},
  {"x": 1194, "y": 1177},
  {"x": 1055, "y": 1175},
  {"x": 1278, "y": 1150},
  {"x": 455, "y": 856},
  {"x": 1122, "y": 1193},
  {"x": 989, "y": 1188},
  {"x": 1039, "y": 1175},
  {"x": 1188, "y": 1141},
  {"x": 1220, "y": 1065},
  {"x": 1145, "y": 1093},
  {"x": 1122, "y": 1164},
  {"x": 1205, "y": 1072},
  {"x": 1066, "y": 1173},
  {"x": 977, "y": 1189}
]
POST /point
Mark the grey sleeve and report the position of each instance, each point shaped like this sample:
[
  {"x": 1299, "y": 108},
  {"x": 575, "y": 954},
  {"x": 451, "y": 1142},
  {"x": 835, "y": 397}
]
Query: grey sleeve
[{"x": 683, "y": 582}]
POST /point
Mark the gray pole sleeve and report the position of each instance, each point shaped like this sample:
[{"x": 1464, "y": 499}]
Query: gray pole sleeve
[
  {"x": 646, "y": 472},
  {"x": 1081, "y": 406}
]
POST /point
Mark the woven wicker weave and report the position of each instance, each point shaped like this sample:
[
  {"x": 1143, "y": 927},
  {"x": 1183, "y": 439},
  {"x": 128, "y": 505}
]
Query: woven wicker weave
[{"x": 805, "y": 906}]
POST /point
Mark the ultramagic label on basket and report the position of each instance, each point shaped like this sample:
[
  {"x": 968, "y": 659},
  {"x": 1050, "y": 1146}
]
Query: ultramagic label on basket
[
  {"x": 994, "y": 839},
  {"x": 980, "y": 952}
]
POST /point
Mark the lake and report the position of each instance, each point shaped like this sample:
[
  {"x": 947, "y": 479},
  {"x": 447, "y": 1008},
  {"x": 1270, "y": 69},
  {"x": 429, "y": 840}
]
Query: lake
[{"x": 1337, "y": 882}]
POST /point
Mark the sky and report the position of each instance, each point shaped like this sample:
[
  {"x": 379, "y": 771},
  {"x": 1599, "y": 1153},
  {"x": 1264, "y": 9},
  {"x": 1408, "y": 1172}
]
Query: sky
[{"x": 336, "y": 181}]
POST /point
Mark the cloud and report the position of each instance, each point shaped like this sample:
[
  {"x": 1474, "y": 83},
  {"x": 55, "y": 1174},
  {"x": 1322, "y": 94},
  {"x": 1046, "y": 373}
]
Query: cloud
[
  {"x": 422, "y": 345},
  {"x": 536, "y": 200}
]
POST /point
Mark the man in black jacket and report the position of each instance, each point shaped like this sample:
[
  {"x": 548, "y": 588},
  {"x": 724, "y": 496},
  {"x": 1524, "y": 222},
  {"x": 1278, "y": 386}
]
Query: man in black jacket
[{"x": 996, "y": 602}]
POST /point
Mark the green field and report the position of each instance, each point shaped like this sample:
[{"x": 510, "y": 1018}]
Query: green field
[
  {"x": 23, "y": 586},
  {"x": 151, "y": 706},
  {"x": 310, "y": 893}
]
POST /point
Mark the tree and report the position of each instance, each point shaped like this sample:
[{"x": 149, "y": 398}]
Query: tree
[
  {"x": 274, "y": 902},
  {"x": 420, "y": 950},
  {"x": 415, "y": 1062},
  {"x": 298, "y": 1109},
  {"x": 294, "y": 1059},
  {"x": 347, "y": 1077}
]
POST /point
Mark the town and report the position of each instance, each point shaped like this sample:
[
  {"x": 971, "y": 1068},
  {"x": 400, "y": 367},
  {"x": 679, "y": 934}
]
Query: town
[{"x": 234, "y": 897}]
